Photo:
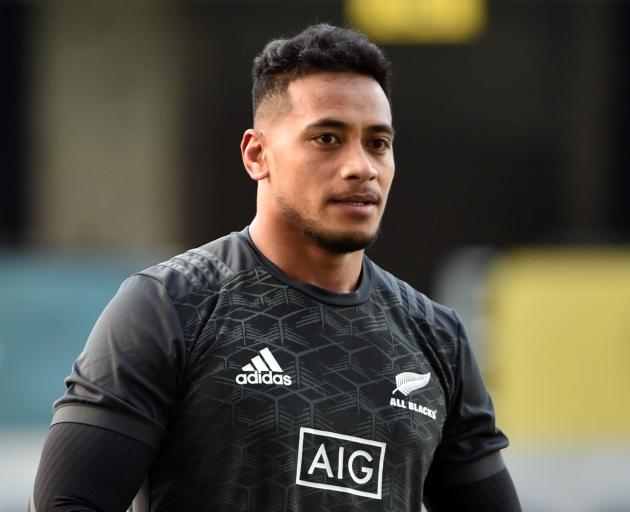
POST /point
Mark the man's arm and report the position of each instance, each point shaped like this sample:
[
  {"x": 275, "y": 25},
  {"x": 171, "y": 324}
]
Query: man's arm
[
  {"x": 468, "y": 472},
  {"x": 108, "y": 425},
  {"x": 495, "y": 493},
  {"x": 483, "y": 485},
  {"x": 89, "y": 469}
]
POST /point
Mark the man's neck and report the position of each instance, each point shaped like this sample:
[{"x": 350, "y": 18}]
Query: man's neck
[{"x": 302, "y": 259}]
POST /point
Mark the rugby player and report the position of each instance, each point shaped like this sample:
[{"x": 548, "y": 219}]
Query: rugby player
[{"x": 278, "y": 368}]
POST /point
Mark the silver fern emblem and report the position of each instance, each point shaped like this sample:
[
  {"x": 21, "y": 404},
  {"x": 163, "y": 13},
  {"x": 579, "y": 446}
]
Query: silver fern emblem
[{"x": 406, "y": 382}]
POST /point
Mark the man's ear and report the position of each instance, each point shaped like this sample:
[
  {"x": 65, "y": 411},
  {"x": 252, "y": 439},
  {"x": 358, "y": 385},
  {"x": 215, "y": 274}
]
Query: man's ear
[{"x": 252, "y": 151}]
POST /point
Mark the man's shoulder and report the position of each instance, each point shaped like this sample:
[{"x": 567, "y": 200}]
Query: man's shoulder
[
  {"x": 419, "y": 305},
  {"x": 206, "y": 267}
]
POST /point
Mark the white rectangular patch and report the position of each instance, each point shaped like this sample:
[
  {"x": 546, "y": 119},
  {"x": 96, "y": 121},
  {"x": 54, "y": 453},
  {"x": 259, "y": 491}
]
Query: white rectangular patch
[{"x": 327, "y": 460}]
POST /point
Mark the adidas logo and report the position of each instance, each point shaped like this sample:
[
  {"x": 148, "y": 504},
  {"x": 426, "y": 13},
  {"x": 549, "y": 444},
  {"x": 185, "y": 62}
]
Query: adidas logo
[{"x": 263, "y": 369}]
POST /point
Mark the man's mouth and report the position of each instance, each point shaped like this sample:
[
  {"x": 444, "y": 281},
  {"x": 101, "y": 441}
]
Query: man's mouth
[
  {"x": 359, "y": 204},
  {"x": 363, "y": 199}
]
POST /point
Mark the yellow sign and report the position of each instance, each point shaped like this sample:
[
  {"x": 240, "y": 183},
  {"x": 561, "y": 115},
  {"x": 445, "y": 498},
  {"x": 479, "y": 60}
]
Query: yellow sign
[
  {"x": 417, "y": 21},
  {"x": 559, "y": 343}
]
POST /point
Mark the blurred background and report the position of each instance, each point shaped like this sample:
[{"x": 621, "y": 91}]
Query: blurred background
[{"x": 121, "y": 122}]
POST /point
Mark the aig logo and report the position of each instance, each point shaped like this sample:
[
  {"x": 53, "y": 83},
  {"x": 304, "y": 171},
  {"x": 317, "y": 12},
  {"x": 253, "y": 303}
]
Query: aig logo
[{"x": 327, "y": 460}]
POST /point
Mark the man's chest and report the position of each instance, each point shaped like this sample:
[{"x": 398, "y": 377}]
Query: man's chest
[{"x": 312, "y": 397}]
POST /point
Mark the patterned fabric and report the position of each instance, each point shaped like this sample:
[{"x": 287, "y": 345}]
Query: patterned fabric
[{"x": 266, "y": 394}]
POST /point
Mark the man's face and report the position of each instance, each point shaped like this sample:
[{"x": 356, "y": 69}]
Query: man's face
[{"x": 330, "y": 159}]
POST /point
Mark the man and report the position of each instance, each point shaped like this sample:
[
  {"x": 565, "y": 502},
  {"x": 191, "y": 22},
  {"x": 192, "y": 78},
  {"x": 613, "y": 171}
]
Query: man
[{"x": 278, "y": 368}]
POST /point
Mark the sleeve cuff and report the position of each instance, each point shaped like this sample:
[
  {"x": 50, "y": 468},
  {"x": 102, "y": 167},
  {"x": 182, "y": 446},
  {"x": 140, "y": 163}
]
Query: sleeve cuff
[
  {"x": 450, "y": 475},
  {"x": 97, "y": 417}
]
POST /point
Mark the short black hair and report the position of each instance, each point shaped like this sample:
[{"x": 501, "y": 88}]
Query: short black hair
[{"x": 319, "y": 47}]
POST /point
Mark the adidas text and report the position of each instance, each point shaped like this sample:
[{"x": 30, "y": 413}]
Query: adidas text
[
  {"x": 264, "y": 378},
  {"x": 263, "y": 369}
]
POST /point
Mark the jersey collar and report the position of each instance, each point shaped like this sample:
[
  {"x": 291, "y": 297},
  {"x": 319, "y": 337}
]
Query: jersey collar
[{"x": 359, "y": 296}]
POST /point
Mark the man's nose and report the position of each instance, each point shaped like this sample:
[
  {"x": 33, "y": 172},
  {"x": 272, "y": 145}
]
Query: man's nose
[{"x": 358, "y": 164}]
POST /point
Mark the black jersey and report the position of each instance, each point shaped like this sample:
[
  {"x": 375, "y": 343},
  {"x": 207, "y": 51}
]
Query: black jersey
[{"x": 261, "y": 394}]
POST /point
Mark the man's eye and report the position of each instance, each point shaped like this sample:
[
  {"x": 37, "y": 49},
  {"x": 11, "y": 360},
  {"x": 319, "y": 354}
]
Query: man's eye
[
  {"x": 327, "y": 139},
  {"x": 380, "y": 144}
]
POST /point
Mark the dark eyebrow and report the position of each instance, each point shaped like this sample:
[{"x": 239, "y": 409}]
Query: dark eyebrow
[
  {"x": 335, "y": 123},
  {"x": 383, "y": 128}
]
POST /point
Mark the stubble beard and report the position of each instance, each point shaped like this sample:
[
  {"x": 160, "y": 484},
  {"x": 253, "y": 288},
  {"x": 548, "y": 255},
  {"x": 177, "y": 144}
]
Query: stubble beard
[{"x": 323, "y": 238}]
